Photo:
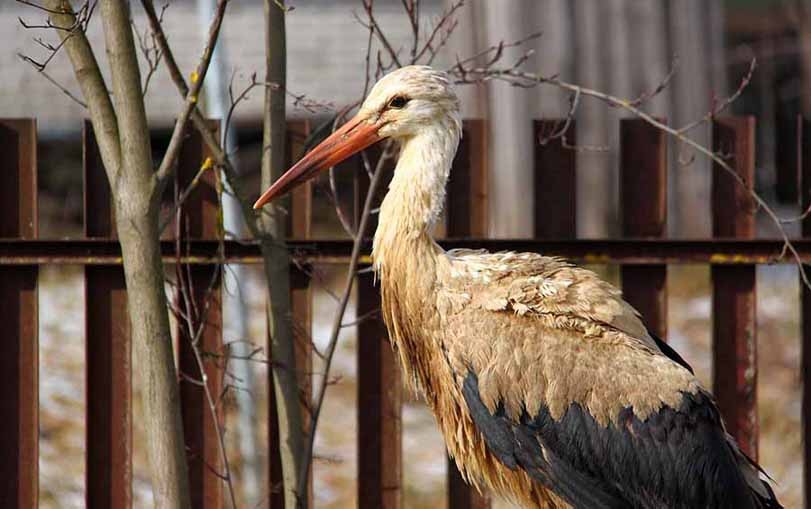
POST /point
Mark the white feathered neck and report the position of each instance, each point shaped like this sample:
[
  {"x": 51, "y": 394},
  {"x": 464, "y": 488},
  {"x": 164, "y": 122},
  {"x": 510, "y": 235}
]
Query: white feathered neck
[{"x": 416, "y": 193}]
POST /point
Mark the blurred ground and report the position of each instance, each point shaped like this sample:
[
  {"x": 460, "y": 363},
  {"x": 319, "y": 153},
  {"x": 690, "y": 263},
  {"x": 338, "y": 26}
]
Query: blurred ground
[{"x": 62, "y": 391}]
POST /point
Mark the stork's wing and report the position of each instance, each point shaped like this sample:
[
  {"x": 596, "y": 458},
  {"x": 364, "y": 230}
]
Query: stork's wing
[
  {"x": 670, "y": 353},
  {"x": 676, "y": 458},
  {"x": 528, "y": 283},
  {"x": 563, "y": 381},
  {"x": 539, "y": 331}
]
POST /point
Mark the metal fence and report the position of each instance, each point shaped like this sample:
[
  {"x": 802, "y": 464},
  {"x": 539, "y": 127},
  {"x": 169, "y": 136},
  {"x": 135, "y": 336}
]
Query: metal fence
[{"x": 643, "y": 254}]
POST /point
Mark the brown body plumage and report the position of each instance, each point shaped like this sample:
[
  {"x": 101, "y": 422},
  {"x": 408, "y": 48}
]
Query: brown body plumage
[
  {"x": 545, "y": 383},
  {"x": 461, "y": 311}
]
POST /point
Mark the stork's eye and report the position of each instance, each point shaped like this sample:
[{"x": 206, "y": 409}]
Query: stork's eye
[{"x": 398, "y": 102}]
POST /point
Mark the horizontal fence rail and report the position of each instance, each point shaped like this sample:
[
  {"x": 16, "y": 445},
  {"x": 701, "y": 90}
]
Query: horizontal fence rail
[{"x": 643, "y": 253}]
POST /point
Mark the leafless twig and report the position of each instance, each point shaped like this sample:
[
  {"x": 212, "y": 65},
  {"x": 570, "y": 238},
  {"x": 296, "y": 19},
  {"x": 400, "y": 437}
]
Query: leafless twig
[
  {"x": 368, "y": 6},
  {"x": 221, "y": 158},
  {"x": 338, "y": 320},
  {"x": 661, "y": 86},
  {"x": 151, "y": 51},
  {"x": 446, "y": 24},
  {"x": 198, "y": 76},
  {"x": 194, "y": 317},
  {"x": 82, "y": 18},
  {"x": 208, "y": 164},
  {"x": 725, "y": 103},
  {"x": 55, "y": 83},
  {"x": 518, "y": 77}
]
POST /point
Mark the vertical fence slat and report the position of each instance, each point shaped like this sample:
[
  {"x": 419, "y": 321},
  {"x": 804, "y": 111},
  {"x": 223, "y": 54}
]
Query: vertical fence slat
[
  {"x": 379, "y": 383},
  {"x": 108, "y": 351},
  {"x": 275, "y": 475},
  {"x": 643, "y": 190},
  {"x": 555, "y": 182},
  {"x": 787, "y": 158},
  {"x": 734, "y": 330},
  {"x": 200, "y": 220},
  {"x": 379, "y": 407},
  {"x": 467, "y": 217},
  {"x": 19, "y": 395},
  {"x": 804, "y": 165},
  {"x": 466, "y": 208},
  {"x": 301, "y": 318}
]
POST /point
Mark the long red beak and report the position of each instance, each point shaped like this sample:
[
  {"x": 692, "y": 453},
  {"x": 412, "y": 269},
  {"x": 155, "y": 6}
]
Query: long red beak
[{"x": 352, "y": 137}]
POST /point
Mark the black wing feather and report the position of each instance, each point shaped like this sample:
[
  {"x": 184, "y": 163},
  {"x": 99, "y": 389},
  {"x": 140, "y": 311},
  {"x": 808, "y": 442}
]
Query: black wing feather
[
  {"x": 676, "y": 458},
  {"x": 670, "y": 353},
  {"x": 518, "y": 447}
]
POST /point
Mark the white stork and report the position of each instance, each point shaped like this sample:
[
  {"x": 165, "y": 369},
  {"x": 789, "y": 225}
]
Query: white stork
[{"x": 546, "y": 384}]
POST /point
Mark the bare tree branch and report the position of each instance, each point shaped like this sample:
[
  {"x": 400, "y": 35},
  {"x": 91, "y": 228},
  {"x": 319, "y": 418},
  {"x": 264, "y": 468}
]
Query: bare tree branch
[
  {"x": 208, "y": 164},
  {"x": 198, "y": 76},
  {"x": 126, "y": 88},
  {"x": 517, "y": 77},
  {"x": 195, "y": 322},
  {"x": 221, "y": 158},
  {"x": 91, "y": 83},
  {"x": 337, "y": 323},
  {"x": 368, "y": 6},
  {"x": 147, "y": 42},
  {"x": 53, "y": 81},
  {"x": 446, "y": 22},
  {"x": 412, "y": 9},
  {"x": 725, "y": 103}
]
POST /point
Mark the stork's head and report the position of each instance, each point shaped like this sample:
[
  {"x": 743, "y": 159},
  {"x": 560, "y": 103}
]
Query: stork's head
[
  {"x": 401, "y": 104},
  {"x": 408, "y": 99}
]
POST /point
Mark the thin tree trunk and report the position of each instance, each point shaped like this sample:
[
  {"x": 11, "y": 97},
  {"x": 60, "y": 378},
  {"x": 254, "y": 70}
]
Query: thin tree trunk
[
  {"x": 143, "y": 270},
  {"x": 137, "y": 200},
  {"x": 277, "y": 261},
  {"x": 123, "y": 136}
]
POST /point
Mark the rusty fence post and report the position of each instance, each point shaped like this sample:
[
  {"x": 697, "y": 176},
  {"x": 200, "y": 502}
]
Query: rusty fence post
[
  {"x": 379, "y": 407},
  {"x": 643, "y": 200},
  {"x": 733, "y": 300},
  {"x": 804, "y": 165},
  {"x": 467, "y": 217},
  {"x": 108, "y": 350},
  {"x": 19, "y": 395},
  {"x": 466, "y": 207},
  {"x": 200, "y": 220},
  {"x": 555, "y": 182},
  {"x": 788, "y": 158},
  {"x": 379, "y": 380}
]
